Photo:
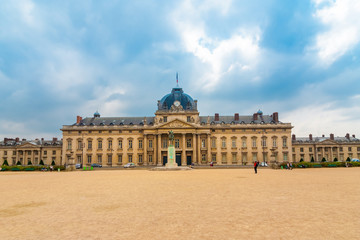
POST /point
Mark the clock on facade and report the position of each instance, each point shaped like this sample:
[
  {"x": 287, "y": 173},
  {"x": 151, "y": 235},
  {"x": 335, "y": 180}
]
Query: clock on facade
[{"x": 177, "y": 103}]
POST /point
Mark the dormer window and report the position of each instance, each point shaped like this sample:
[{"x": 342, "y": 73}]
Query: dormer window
[
  {"x": 165, "y": 119},
  {"x": 188, "y": 119}
]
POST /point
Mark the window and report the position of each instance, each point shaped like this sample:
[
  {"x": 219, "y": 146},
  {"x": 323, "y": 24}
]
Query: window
[
  {"x": 45, "y": 152},
  {"x": 188, "y": 119},
  {"x": 165, "y": 143},
  {"x": 54, "y": 152},
  {"x": 254, "y": 142},
  {"x": 89, "y": 144},
  {"x": 188, "y": 143},
  {"x": 203, "y": 143},
  {"x": 177, "y": 143},
  {"x": 99, "y": 158},
  {"x": 326, "y": 149},
  {"x": 109, "y": 159},
  {"x": 165, "y": 119},
  {"x": 233, "y": 142},
  {"x": 203, "y": 158},
  {"x": 130, "y": 158},
  {"x": 341, "y": 149},
  {"x": 89, "y": 159},
  {"x": 244, "y": 158},
  {"x": 234, "y": 158},
  {"x": 213, "y": 142},
  {"x": 5, "y": 153},
  {"x": 99, "y": 144},
  {"x": 223, "y": 158},
  {"x": 223, "y": 142},
  {"x": 150, "y": 143},
  {"x": 120, "y": 144},
  {"x": 130, "y": 143},
  {"x": 120, "y": 159},
  {"x": 349, "y": 149},
  {"x": 140, "y": 158},
  {"x": 310, "y": 149},
  {"x": 301, "y": 149},
  {"x": 140, "y": 143},
  {"x": 254, "y": 157},
  {"x": 79, "y": 159},
  {"x": 263, "y": 142},
  {"x": 213, "y": 158},
  {"x": 150, "y": 158},
  {"x": 14, "y": 152},
  {"x": 243, "y": 142},
  {"x": 69, "y": 145},
  {"x": 285, "y": 156},
  {"x": 110, "y": 144},
  {"x": 284, "y": 142},
  {"x": 79, "y": 145},
  {"x": 274, "y": 142}
]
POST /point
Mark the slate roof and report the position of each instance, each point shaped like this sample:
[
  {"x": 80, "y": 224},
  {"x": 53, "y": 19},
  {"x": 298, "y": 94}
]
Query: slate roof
[
  {"x": 36, "y": 142},
  {"x": 262, "y": 119},
  {"x": 321, "y": 139}
]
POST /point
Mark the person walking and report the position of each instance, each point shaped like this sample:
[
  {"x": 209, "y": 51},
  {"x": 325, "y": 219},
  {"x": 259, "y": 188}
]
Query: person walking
[{"x": 256, "y": 164}]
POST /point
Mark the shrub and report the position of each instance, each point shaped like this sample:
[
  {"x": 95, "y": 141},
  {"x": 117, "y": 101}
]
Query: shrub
[
  {"x": 5, "y": 163},
  {"x": 41, "y": 162},
  {"x": 323, "y": 159},
  {"x": 348, "y": 159},
  {"x": 335, "y": 160},
  {"x": 53, "y": 163},
  {"x": 312, "y": 159},
  {"x": 29, "y": 163}
]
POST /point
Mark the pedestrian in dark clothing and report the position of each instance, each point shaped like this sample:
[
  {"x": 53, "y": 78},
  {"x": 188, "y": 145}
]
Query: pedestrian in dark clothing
[{"x": 256, "y": 164}]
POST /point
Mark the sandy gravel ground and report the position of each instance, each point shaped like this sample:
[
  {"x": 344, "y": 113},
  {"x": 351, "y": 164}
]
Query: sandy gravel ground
[{"x": 197, "y": 204}]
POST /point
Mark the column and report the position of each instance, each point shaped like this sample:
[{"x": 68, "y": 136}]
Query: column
[
  {"x": 159, "y": 162},
  {"x": 209, "y": 148},
  {"x": 32, "y": 158},
  {"x": 194, "y": 149},
  {"x": 183, "y": 154},
  {"x": 198, "y": 149},
  {"x": 145, "y": 150}
]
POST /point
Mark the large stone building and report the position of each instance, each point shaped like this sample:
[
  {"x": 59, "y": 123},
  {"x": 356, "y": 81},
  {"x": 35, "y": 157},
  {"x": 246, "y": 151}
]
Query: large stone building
[
  {"x": 224, "y": 140},
  {"x": 31, "y": 152}
]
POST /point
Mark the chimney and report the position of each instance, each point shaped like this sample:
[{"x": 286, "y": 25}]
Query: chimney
[
  {"x": 24, "y": 139},
  {"x": 236, "y": 117},
  {"x": 216, "y": 117},
  {"x": 17, "y": 139},
  {"x": 294, "y": 137},
  {"x": 276, "y": 117},
  {"x": 255, "y": 117},
  {"x": 78, "y": 119},
  {"x": 348, "y": 136},
  {"x": 331, "y": 136},
  {"x": 5, "y": 140},
  {"x": 310, "y": 137},
  {"x": 42, "y": 139},
  {"x": 323, "y": 135},
  {"x": 353, "y": 135},
  {"x": 54, "y": 139}
]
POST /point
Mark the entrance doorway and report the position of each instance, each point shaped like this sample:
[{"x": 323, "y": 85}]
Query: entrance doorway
[
  {"x": 178, "y": 159},
  {"x": 164, "y": 160},
  {"x": 188, "y": 160}
]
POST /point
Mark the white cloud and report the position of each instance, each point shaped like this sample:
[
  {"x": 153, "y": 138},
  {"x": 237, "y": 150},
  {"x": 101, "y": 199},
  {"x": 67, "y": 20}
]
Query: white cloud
[
  {"x": 343, "y": 22},
  {"x": 240, "y": 52}
]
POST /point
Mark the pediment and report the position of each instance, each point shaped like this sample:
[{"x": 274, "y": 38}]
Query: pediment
[
  {"x": 27, "y": 145},
  {"x": 328, "y": 142},
  {"x": 176, "y": 124}
]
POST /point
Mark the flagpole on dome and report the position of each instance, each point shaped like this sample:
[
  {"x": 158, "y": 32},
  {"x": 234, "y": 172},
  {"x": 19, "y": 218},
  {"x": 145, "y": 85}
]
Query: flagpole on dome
[{"x": 177, "y": 79}]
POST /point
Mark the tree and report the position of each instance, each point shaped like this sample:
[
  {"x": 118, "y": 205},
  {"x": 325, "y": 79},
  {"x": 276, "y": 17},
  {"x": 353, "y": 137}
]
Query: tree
[
  {"x": 41, "y": 163},
  {"x": 301, "y": 160},
  {"x": 5, "y": 163},
  {"x": 323, "y": 159},
  {"x": 29, "y": 162},
  {"x": 53, "y": 163},
  {"x": 335, "y": 160},
  {"x": 312, "y": 159},
  {"x": 18, "y": 163},
  {"x": 348, "y": 159}
]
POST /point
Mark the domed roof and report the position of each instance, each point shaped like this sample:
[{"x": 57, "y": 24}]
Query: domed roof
[
  {"x": 177, "y": 94},
  {"x": 96, "y": 114},
  {"x": 259, "y": 112}
]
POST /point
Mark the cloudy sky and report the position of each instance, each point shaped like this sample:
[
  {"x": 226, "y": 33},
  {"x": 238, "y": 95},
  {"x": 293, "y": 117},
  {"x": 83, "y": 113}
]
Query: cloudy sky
[{"x": 60, "y": 59}]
